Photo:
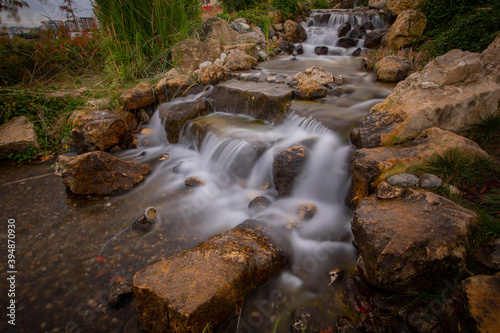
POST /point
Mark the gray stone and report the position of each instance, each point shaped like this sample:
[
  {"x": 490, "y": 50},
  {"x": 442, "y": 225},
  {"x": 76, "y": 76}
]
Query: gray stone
[
  {"x": 428, "y": 181},
  {"x": 16, "y": 137},
  {"x": 403, "y": 180}
]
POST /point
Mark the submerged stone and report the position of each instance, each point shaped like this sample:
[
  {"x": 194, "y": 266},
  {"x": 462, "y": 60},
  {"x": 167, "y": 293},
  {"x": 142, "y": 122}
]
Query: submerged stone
[{"x": 202, "y": 286}]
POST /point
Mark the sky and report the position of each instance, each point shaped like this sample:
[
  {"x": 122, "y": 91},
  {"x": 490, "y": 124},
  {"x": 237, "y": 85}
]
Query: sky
[{"x": 31, "y": 17}]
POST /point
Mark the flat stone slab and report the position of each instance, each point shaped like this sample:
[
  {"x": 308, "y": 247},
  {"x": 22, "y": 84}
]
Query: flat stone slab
[
  {"x": 260, "y": 100},
  {"x": 16, "y": 136},
  {"x": 202, "y": 286}
]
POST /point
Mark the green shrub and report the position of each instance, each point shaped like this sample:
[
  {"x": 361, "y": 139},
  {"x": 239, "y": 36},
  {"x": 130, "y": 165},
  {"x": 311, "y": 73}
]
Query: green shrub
[
  {"x": 464, "y": 24},
  {"x": 139, "y": 35},
  {"x": 286, "y": 7},
  {"x": 237, "y": 5},
  {"x": 320, "y": 4}
]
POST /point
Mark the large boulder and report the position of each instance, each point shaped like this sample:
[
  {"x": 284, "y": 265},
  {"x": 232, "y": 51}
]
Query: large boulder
[
  {"x": 140, "y": 96},
  {"x": 174, "y": 83},
  {"x": 99, "y": 173},
  {"x": 201, "y": 287},
  {"x": 217, "y": 29},
  {"x": 288, "y": 165},
  {"x": 16, "y": 137},
  {"x": 392, "y": 69},
  {"x": 319, "y": 74},
  {"x": 212, "y": 74},
  {"x": 409, "y": 25},
  {"x": 489, "y": 58},
  {"x": 190, "y": 53},
  {"x": 398, "y": 6},
  {"x": 238, "y": 60},
  {"x": 175, "y": 115},
  {"x": 482, "y": 296},
  {"x": 451, "y": 92},
  {"x": 374, "y": 39},
  {"x": 412, "y": 244},
  {"x": 260, "y": 100},
  {"x": 369, "y": 167},
  {"x": 308, "y": 88},
  {"x": 100, "y": 130},
  {"x": 294, "y": 32}
]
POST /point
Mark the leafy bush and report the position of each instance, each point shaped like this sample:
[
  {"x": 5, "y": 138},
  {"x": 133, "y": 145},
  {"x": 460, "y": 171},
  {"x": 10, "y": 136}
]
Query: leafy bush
[
  {"x": 29, "y": 61},
  {"x": 139, "y": 35},
  {"x": 464, "y": 24},
  {"x": 286, "y": 7},
  {"x": 237, "y": 5}
]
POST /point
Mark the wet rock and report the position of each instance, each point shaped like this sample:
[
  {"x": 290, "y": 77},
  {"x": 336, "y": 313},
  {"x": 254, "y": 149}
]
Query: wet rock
[
  {"x": 248, "y": 48},
  {"x": 287, "y": 166},
  {"x": 388, "y": 191},
  {"x": 305, "y": 211},
  {"x": 100, "y": 130},
  {"x": 190, "y": 53},
  {"x": 451, "y": 92},
  {"x": 482, "y": 294},
  {"x": 488, "y": 255},
  {"x": 344, "y": 29},
  {"x": 284, "y": 46},
  {"x": 396, "y": 7},
  {"x": 428, "y": 181},
  {"x": 212, "y": 74},
  {"x": 16, "y": 137},
  {"x": 262, "y": 100},
  {"x": 424, "y": 317},
  {"x": 173, "y": 84},
  {"x": 238, "y": 60},
  {"x": 411, "y": 244},
  {"x": 263, "y": 56},
  {"x": 140, "y": 96},
  {"x": 217, "y": 29},
  {"x": 321, "y": 50},
  {"x": 392, "y": 69},
  {"x": 316, "y": 73},
  {"x": 143, "y": 117},
  {"x": 347, "y": 42},
  {"x": 374, "y": 39},
  {"x": 370, "y": 166},
  {"x": 308, "y": 88},
  {"x": 403, "y": 180},
  {"x": 193, "y": 182},
  {"x": 175, "y": 115},
  {"x": 368, "y": 25},
  {"x": 300, "y": 49},
  {"x": 207, "y": 283},
  {"x": 99, "y": 173},
  {"x": 293, "y": 224},
  {"x": 259, "y": 203},
  {"x": 119, "y": 294},
  {"x": 345, "y": 325},
  {"x": 357, "y": 52},
  {"x": 409, "y": 25},
  {"x": 358, "y": 32},
  {"x": 294, "y": 32}
]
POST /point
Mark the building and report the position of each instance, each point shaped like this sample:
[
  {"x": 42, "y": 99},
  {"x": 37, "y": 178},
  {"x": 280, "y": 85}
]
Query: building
[
  {"x": 86, "y": 23},
  {"x": 71, "y": 25},
  {"x": 18, "y": 30},
  {"x": 54, "y": 25}
]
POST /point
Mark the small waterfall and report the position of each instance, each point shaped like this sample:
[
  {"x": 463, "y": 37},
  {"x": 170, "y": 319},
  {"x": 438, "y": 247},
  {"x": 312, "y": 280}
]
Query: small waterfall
[{"x": 323, "y": 29}]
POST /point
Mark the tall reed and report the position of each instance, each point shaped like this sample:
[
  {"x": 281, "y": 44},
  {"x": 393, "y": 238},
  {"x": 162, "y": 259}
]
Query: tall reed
[{"x": 138, "y": 35}]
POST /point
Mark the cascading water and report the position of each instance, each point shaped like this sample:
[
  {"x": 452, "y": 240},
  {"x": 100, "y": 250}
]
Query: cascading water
[{"x": 323, "y": 29}]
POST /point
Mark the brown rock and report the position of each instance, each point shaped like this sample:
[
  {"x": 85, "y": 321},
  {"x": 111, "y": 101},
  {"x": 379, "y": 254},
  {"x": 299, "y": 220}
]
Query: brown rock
[
  {"x": 294, "y": 32},
  {"x": 16, "y": 137},
  {"x": 308, "y": 88},
  {"x": 100, "y": 130},
  {"x": 259, "y": 204},
  {"x": 374, "y": 39},
  {"x": 388, "y": 191},
  {"x": 305, "y": 211},
  {"x": 370, "y": 166},
  {"x": 377, "y": 4},
  {"x": 212, "y": 74},
  {"x": 190, "y": 53},
  {"x": 238, "y": 60},
  {"x": 207, "y": 283},
  {"x": 287, "y": 166},
  {"x": 217, "y": 29},
  {"x": 175, "y": 115},
  {"x": 392, "y": 69},
  {"x": 249, "y": 48},
  {"x": 488, "y": 255},
  {"x": 319, "y": 74},
  {"x": 411, "y": 244},
  {"x": 482, "y": 295},
  {"x": 451, "y": 92},
  {"x": 140, "y": 96},
  {"x": 99, "y": 173},
  {"x": 173, "y": 84},
  {"x": 193, "y": 182},
  {"x": 489, "y": 58},
  {"x": 409, "y": 25},
  {"x": 398, "y": 6}
]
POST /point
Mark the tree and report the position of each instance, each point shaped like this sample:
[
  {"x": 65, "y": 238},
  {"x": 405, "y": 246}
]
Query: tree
[{"x": 12, "y": 7}]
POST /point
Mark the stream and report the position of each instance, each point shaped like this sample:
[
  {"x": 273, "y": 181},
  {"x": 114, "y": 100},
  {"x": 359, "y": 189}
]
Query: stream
[{"x": 60, "y": 285}]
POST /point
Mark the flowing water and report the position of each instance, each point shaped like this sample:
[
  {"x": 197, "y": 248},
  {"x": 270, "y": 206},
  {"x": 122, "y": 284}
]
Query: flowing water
[{"x": 61, "y": 287}]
